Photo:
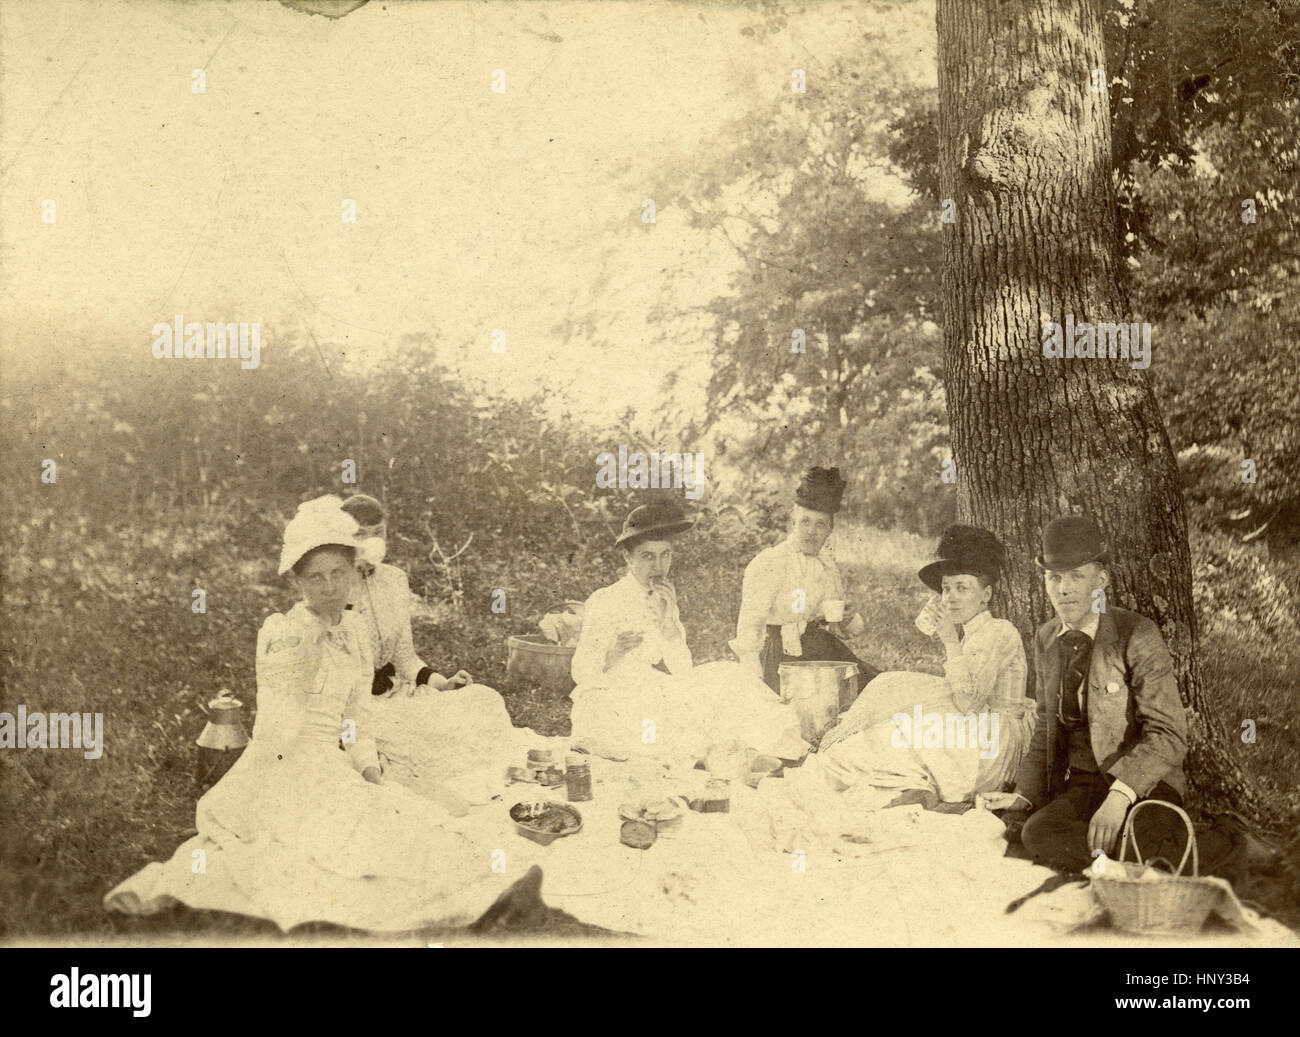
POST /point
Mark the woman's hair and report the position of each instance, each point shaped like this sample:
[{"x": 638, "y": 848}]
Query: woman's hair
[
  {"x": 366, "y": 510},
  {"x": 349, "y": 553}
]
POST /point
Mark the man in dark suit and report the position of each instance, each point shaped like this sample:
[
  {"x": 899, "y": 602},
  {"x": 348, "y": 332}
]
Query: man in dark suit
[{"x": 1111, "y": 728}]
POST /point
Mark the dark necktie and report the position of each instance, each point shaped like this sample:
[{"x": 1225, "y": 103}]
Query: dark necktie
[{"x": 1076, "y": 651}]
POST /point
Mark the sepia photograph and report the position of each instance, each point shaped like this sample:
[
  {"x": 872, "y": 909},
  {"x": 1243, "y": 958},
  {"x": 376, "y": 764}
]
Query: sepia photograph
[{"x": 655, "y": 473}]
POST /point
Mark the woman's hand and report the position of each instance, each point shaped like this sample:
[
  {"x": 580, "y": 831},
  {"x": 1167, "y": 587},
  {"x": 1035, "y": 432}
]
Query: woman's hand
[
  {"x": 457, "y": 680},
  {"x": 372, "y": 775},
  {"x": 627, "y": 640},
  {"x": 946, "y": 629},
  {"x": 1001, "y": 801}
]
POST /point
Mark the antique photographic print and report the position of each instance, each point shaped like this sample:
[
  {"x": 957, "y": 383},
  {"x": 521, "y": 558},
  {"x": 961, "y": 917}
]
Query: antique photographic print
[{"x": 650, "y": 474}]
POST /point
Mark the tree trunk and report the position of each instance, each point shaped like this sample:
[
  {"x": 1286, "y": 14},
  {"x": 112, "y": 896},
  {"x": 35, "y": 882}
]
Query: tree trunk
[{"x": 1025, "y": 154}]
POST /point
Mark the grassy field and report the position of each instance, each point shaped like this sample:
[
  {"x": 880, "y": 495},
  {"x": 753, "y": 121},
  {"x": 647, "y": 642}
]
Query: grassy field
[{"x": 102, "y": 622}]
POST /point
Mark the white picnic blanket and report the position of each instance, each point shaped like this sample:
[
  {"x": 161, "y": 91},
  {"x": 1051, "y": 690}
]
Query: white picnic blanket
[{"x": 762, "y": 874}]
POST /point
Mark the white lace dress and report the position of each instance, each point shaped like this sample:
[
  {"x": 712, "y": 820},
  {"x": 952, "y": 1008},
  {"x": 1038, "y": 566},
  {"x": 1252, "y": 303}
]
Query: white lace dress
[
  {"x": 424, "y": 736},
  {"x": 636, "y": 709}
]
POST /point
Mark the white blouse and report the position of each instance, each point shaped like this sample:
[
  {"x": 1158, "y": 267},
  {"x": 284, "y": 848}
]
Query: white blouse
[
  {"x": 620, "y": 607},
  {"x": 991, "y": 669},
  {"x": 785, "y": 587},
  {"x": 313, "y": 687}
]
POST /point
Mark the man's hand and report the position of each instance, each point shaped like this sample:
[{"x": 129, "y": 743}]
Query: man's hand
[
  {"x": 1001, "y": 801},
  {"x": 459, "y": 680},
  {"x": 1107, "y": 822},
  {"x": 372, "y": 775}
]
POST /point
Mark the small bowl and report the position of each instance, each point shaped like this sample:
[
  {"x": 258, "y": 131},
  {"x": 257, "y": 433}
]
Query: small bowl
[{"x": 553, "y": 821}]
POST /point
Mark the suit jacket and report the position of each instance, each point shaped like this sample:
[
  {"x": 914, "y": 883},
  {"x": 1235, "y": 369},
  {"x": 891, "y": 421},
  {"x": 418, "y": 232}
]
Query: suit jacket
[{"x": 1136, "y": 721}]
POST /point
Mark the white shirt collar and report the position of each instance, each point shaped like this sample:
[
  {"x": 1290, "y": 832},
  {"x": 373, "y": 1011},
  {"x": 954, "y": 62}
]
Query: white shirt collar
[
  {"x": 1089, "y": 626},
  {"x": 974, "y": 623}
]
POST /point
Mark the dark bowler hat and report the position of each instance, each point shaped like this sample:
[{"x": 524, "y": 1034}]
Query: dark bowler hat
[
  {"x": 657, "y": 520},
  {"x": 820, "y": 490},
  {"x": 1071, "y": 541},
  {"x": 964, "y": 549}
]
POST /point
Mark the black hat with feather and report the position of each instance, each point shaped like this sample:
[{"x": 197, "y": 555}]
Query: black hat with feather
[
  {"x": 821, "y": 490},
  {"x": 964, "y": 549}
]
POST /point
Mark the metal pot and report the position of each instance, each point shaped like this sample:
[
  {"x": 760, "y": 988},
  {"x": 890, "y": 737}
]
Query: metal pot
[{"x": 818, "y": 691}]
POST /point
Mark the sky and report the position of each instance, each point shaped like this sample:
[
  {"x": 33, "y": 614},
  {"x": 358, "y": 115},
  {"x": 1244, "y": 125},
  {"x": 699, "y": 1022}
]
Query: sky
[{"x": 475, "y": 210}]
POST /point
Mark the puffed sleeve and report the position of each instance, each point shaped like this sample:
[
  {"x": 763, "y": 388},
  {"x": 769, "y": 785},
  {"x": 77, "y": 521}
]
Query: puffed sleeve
[
  {"x": 405, "y": 660},
  {"x": 286, "y": 667},
  {"x": 362, "y": 751},
  {"x": 758, "y": 590},
  {"x": 991, "y": 662},
  {"x": 594, "y": 641}
]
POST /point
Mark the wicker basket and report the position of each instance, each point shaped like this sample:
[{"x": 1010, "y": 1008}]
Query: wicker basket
[{"x": 1177, "y": 904}]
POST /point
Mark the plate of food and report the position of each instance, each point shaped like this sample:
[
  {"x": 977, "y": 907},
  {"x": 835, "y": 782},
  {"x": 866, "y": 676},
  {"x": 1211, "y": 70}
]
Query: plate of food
[{"x": 545, "y": 822}]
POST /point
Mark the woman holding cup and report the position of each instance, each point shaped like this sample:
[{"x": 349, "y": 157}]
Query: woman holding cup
[
  {"x": 793, "y": 606},
  {"x": 877, "y": 741}
]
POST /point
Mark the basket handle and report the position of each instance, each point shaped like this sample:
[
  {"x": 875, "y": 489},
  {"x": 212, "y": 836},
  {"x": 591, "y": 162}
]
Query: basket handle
[
  {"x": 1129, "y": 835},
  {"x": 561, "y": 607}
]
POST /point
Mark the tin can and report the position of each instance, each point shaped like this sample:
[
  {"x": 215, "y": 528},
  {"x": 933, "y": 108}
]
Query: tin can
[
  {"x": 577, "y": 779},
  {"x": 552, "y": 776},
  {"x": 716, "y": 798}
]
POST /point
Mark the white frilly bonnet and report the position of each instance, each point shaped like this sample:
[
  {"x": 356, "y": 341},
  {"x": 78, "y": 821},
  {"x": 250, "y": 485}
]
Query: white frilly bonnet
[{"x": 317, "y": 523}]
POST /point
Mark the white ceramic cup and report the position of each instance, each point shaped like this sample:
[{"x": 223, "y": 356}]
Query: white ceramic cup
[{"x": 833, "y": 610}]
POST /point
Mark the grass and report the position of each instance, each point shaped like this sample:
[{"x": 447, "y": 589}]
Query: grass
[{"x": 100, "y": 620}]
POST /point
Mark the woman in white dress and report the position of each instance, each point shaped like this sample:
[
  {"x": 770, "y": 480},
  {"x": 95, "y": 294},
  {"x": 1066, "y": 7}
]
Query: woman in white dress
[
  {"x": 637, "y": 691},
  {"x": 427, "y": 727},
  {"x": 295, "y": 804},
  {"x": 950, "y": 736},
  {"x": 784, "y": 595}
]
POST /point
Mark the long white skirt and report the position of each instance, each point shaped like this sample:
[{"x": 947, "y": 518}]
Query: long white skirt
[
  {"x": 916, "y": 738},
  {"x": 646, "y": 712}
]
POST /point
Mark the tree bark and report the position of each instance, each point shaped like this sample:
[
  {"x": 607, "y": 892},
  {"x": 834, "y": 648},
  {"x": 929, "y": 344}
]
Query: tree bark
[{"x": 1025, "y": 154}]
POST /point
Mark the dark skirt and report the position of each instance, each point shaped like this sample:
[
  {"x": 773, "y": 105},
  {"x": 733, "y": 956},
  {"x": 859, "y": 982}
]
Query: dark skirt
[{"x": 819, "y": 645}]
